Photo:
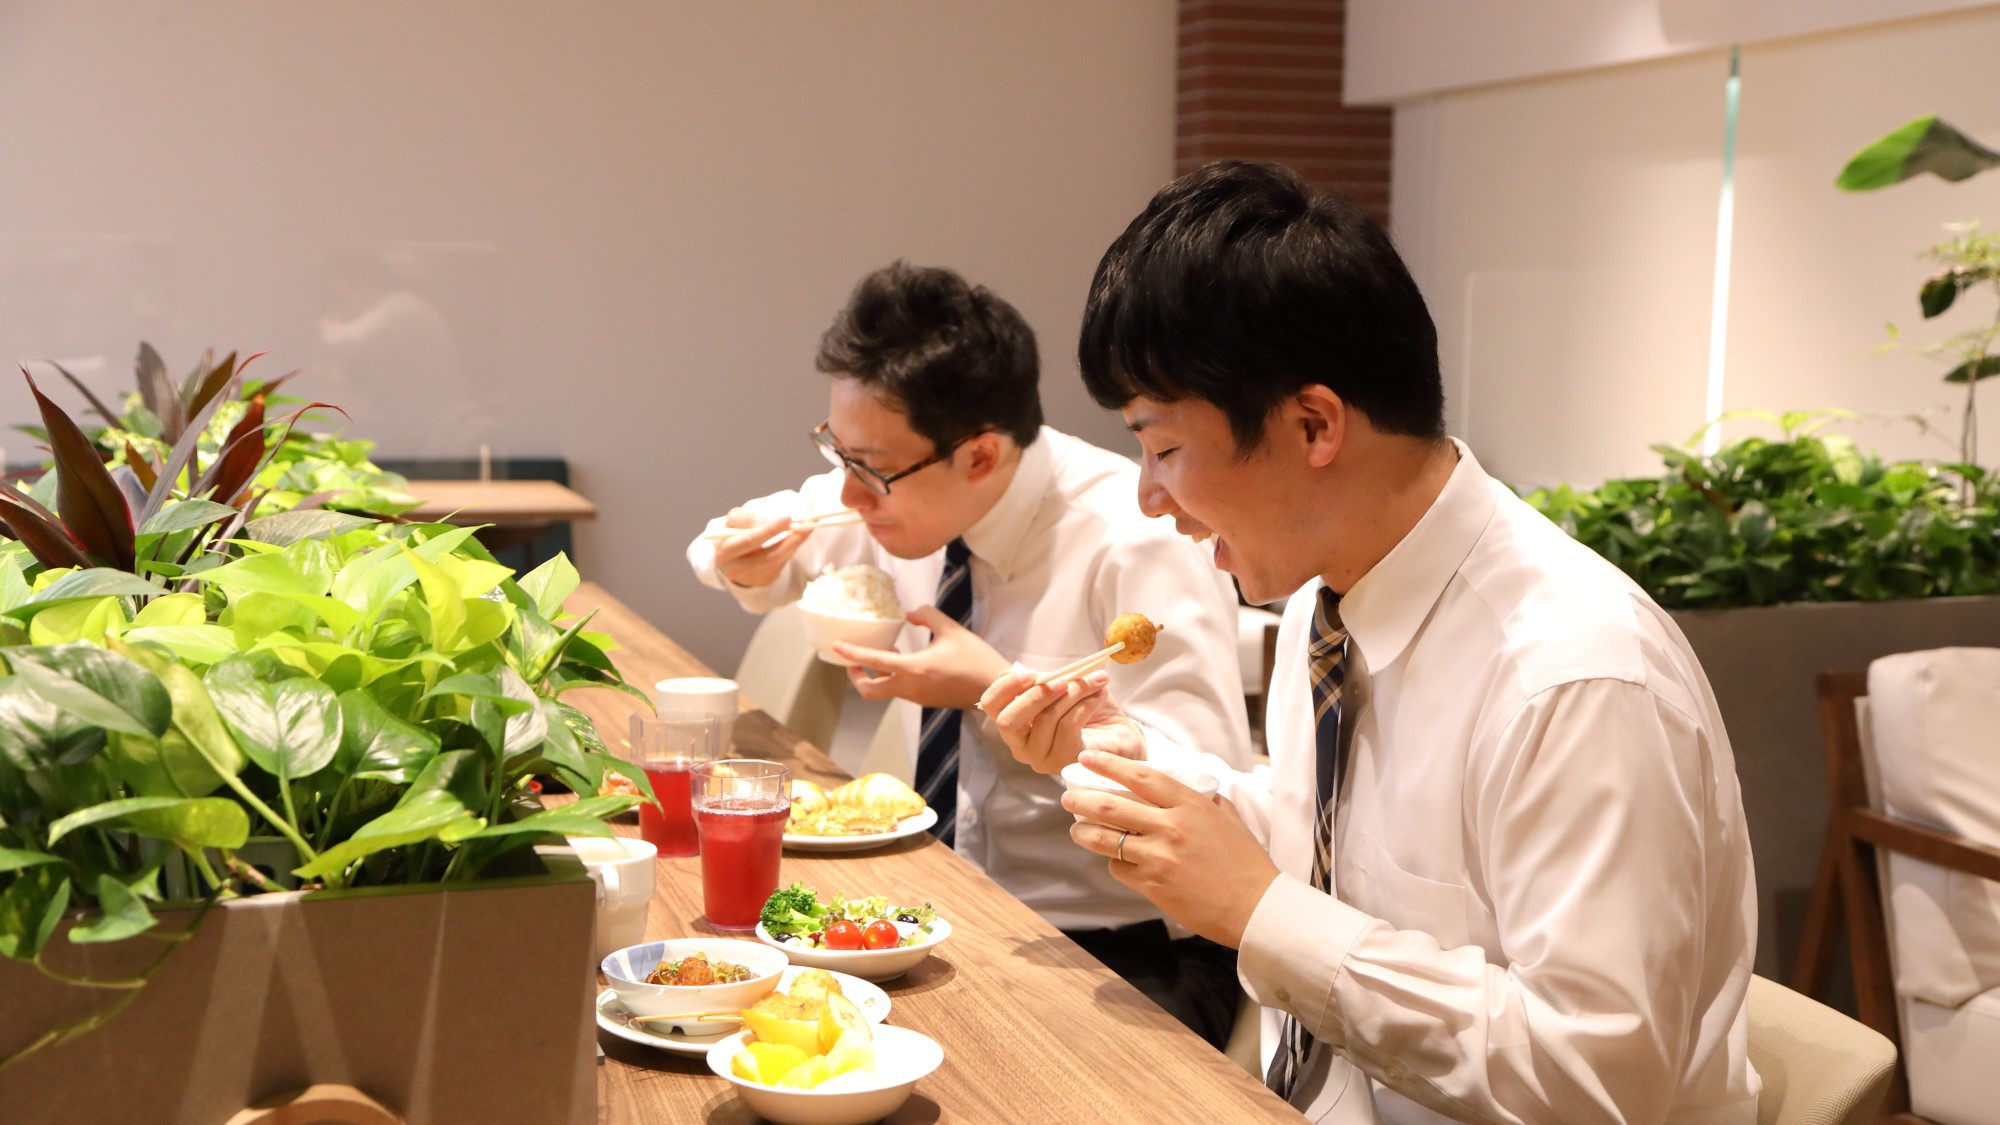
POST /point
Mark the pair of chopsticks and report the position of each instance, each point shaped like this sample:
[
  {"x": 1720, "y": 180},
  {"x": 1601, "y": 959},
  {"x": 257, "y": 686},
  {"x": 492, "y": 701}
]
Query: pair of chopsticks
[
  {"x": 732, "y": 1014},
  {"x": 840, "y": 518},
  {"x": 1084, "y": 667}
]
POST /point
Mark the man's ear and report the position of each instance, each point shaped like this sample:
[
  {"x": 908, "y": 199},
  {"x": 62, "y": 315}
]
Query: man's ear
[
  {"x": 983, "y": 453},
  {"x": 1322, "y": 418}
]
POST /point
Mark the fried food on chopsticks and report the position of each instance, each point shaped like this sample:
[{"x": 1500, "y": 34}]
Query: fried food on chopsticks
[{"x": 1135, "y": 632}]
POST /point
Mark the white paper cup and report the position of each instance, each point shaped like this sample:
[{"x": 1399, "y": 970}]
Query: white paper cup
[
  {"x": 710, "y": 694},
  {"x": 622, "y": 868}
]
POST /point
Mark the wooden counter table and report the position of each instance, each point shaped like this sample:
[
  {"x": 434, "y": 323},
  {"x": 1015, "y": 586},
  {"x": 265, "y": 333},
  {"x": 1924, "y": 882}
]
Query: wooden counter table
[
  {"x": 503, "y": 502},
  {"x": 1033, "y": 1028}
]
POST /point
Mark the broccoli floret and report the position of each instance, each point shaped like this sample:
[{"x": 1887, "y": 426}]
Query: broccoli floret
[{"x": 793, "y": 910}]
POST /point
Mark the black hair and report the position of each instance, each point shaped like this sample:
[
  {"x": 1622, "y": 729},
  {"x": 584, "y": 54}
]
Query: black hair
[
  {"x": 953, "y": 356},
  {"x": 1238, "y": 285}
]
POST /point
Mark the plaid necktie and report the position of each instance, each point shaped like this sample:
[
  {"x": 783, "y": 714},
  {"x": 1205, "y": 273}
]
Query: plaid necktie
[
  {"x": 1326, "y": 657},
  {"x": 937, "y": 742}
]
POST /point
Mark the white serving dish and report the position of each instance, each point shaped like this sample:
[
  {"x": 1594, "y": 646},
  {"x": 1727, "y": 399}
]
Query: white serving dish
[
  {"x": 905, "y": 828},
  {"x": 823, "y": 630},
  {"x": 613, "y": 1017},
  {"x": 627, "y": 969},
  {"x": 868, "y": 964},
  {"x": 903, "y": 1057}
]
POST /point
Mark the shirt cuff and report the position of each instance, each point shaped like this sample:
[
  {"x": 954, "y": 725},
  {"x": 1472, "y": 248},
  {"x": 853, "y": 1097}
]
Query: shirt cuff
[{"x": 1293, "y": 949}]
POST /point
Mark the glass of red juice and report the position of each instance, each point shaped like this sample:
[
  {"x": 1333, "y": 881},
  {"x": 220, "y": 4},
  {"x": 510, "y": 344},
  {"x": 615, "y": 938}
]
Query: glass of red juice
[
  {"x": 741, "y": 806},
  {"x": 669, "y": 747}
]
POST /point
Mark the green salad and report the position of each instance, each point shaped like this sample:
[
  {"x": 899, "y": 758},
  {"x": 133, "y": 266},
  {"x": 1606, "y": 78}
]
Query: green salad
[{"x": 797, "y": 914}]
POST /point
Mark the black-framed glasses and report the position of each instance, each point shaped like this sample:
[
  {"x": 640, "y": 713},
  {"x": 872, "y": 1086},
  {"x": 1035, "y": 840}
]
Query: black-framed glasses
[{"x": 873, "y": 481}]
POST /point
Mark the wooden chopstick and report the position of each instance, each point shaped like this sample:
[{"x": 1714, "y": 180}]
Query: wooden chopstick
[
  {"x": 803, "y": 523},
  {"x": 1079, "y": 667},
  {"x": 733, "y": 1014}
]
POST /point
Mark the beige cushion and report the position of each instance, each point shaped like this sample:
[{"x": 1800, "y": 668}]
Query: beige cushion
[
  {"x": 1954, "y": 1059},
  {"x": 1936, "y": 724},
  {"x": 1818, "y": 1067}
]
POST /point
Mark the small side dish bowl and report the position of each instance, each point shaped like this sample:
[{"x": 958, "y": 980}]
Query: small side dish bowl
[
  {"x": 627, "y": 969},
  {"x": 868, "y": 964},
  {"x": 823, "y": 630},
  {"x": 903, "y": 1058}
]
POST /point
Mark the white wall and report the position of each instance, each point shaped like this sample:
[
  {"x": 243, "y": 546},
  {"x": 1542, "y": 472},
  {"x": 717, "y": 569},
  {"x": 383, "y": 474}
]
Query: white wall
[
  {"x": 1563, "y": 230},
  {"x": 1400, "y": 49},
  {"x": 610, "y": 230}
]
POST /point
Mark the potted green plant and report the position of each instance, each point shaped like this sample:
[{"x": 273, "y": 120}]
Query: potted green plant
[{"x": 373, "y": 701}]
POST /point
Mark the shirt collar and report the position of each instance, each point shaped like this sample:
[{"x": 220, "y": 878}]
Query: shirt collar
[
  {"x": 1001, "y": 533},
  {"x": 1388, "y": 604}
]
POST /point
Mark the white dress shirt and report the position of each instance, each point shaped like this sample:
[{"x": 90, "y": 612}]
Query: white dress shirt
[
  {"x": 1543, "y": 907},
  {"x": 1064, "y": 551}
]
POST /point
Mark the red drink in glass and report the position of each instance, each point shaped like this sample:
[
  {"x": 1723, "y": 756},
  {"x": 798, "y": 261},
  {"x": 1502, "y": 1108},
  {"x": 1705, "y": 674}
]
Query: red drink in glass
[
  {"x": 740, "y": 842},
  {"x": 667, "y": 821},
  {"x": 669, "y": 747},
  {"x": 741, "y": 807}
]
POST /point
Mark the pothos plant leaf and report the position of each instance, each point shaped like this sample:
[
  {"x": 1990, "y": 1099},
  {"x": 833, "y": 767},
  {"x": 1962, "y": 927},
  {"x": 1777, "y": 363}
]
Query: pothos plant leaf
[
  {"x": 286, "y": 721},
  {"x": 121, "y": 914},
  {"x": 96, "y": 685}
]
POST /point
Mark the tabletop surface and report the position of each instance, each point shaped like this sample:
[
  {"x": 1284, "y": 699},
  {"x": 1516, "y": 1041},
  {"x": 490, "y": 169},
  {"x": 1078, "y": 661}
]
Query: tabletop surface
[
  {"x": 1033, "y": 1028},
  {"x": 498, "y": 501}
]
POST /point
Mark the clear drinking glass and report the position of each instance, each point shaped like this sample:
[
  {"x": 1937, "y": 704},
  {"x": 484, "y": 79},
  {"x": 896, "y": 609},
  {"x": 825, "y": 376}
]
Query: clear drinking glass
[
  {"x": 669, "y": 747},
  {"x": 741, "y": 806}
]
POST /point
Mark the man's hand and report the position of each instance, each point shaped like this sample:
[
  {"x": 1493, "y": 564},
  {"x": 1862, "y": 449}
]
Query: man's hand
[
  {"x": 750, "y": 557},
  {"x": 1190, "y": 855},
  {"x": 1046, "y": 727},
  {"x": 950, "y": 672}
]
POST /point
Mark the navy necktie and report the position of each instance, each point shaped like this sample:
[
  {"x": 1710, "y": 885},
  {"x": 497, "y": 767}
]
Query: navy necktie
[
  {"x": 937, "y": 742},
  {"x": 1326, "y": 659}
]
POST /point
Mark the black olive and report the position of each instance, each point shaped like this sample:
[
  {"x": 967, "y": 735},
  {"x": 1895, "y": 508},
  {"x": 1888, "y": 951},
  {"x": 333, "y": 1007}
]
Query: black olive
[
  {"x": 786, "y": 937},
  {"x": 910, "y": 918}
]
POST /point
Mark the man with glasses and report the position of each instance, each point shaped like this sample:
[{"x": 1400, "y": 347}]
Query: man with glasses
[{"x": 1019, "y": 544}]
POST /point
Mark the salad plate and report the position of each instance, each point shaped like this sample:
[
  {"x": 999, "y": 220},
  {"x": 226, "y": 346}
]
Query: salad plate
[
  {"x": 613, "y": 1017},
  {"x": 907, "y": 827}
]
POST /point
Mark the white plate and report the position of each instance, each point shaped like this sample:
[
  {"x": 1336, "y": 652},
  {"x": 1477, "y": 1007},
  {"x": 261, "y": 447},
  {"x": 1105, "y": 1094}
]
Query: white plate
[
  {"x": 869, "y": 964},
  {"x": 908, "y": 826},
  {"x": 873, "y": 1002}
]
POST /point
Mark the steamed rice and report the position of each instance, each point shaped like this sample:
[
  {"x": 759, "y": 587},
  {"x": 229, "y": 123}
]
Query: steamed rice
[{"x": 853, "y": 591}]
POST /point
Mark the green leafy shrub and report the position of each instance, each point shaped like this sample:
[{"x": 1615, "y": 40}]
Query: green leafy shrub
[
  {"x": 178, "y": 681},
  {"x": 1805, "y": 518}
]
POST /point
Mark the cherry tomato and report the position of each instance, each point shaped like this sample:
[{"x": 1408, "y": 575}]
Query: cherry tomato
[
  {"x": 843, "y": 935},
  {"x": 881, "y": 935}
]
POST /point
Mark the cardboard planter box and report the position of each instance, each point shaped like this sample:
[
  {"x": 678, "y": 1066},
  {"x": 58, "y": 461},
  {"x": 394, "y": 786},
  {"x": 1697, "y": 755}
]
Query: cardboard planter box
[
  {"x": 467, "y": 1004},
  {"x": 1763, "y": 663}
]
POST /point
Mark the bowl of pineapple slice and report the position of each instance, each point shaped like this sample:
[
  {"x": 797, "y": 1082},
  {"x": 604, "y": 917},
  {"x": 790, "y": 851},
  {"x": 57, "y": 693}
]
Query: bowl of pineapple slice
[{"x": 811, "y": 1057}]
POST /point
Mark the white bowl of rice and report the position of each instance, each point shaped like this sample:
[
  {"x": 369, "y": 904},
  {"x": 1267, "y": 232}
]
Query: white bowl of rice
[{"x": 854, "y": 605}]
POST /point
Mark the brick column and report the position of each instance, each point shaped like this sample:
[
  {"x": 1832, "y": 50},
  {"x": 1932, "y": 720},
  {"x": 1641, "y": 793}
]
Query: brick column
[{"x": 1260, "y": 80}]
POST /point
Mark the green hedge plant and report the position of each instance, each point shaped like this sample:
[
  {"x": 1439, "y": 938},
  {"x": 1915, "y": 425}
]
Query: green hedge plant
[{"x": 1808, "y": 517}]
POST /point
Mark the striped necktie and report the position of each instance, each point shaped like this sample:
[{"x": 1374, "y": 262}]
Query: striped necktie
[
  {"x": 937, "y": 742},
  {"x": 1326, "y": 657}
]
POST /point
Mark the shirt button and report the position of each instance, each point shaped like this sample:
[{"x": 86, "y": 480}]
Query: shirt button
[{"x": 1284, "y": 995}]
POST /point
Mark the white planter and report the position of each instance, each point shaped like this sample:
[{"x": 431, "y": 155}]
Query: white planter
[{"x": 467, "y": 1004}]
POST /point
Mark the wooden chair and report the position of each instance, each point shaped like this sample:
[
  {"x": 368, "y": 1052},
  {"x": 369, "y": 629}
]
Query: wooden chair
[{"x": 1847, "y": 889}]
